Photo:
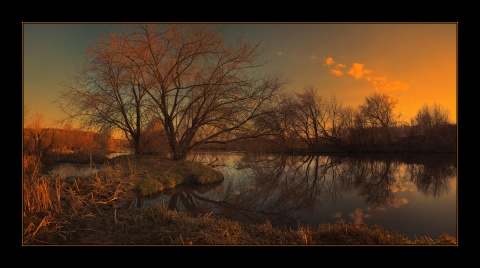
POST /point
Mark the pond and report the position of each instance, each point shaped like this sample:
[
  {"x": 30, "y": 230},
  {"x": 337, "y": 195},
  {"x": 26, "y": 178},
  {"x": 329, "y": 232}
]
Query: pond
[
  {"x": 71, "y": 170},
  {"x": 412, "y": 195}
]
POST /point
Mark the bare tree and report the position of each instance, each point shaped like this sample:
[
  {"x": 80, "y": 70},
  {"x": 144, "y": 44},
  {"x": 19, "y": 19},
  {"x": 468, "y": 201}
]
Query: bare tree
[
  {"x": 37, "y": 140},
  {"x": 428, "y": 118},
  {"x": 316, "y": 119},
  {"x": 109, "y": 91},
  {"x": 356, "y": 130},
  {"x": 278, "y": 122},
  {"x": 202, "y": 89},
  {"x": 307, "y": 110},
  {"x": 378, "y": 111},
  {"x": 432, "y": 122},
  {"x": 333, "y": 121}
]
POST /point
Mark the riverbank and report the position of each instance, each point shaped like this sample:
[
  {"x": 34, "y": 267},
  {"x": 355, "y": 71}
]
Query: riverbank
[
  {"x": 158, "y": 226},
  {"x": 98, "y": 211}
]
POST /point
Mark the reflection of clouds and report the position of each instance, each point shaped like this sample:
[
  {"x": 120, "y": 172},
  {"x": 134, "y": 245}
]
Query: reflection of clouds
[
  {"x": 358, "y": 215},
  {"x": 401, "y": 186},
  {"x": 381, "y": 208},
  {"x": 394, "y": 202},
  {"x": 398, "y": 202},
  {"x": 338, "y": 216}
]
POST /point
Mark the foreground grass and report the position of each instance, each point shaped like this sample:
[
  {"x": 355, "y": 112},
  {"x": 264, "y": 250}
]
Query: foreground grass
[
  {"x": 158, "y": 226},
  {"x": 89, "y": 212}
]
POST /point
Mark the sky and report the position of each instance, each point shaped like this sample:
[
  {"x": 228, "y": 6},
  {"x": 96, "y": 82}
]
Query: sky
[{"x": 416, "y": 62}]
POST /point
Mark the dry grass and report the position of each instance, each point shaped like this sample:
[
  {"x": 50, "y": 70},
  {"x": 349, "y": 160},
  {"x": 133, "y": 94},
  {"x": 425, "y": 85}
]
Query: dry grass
[
  {"x": 96, "y": 211},
  {"x": 158, "y": 226}
]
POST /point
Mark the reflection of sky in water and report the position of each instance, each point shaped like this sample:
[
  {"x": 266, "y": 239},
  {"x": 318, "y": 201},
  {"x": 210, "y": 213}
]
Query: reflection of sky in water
[
  {"x": 410, "y": 213},
  {"x": 71, "y": 170},
  {"x": 410, "y": 199}
]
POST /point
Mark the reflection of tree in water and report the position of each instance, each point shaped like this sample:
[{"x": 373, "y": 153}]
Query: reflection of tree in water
[
  {"x": 374, "y": 179},
  {"x": 273, "y": 187},
  {"x": 277, "y": 187},
  {"x": 432, "y": 177}
]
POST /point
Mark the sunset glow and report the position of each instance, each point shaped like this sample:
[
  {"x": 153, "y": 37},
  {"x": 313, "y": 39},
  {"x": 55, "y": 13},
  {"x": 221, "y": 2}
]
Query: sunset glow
[{"x": 416, "y": 63}]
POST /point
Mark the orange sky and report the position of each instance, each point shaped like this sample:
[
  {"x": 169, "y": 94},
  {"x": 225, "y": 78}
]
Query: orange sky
[{"x": 415, "y": 62}]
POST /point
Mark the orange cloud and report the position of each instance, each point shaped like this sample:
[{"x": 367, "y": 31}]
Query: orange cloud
[
  {"x": 357, "y": 71},
  {"x": 376, "y": 79},
  {"x": 329, "y": 61},
  {"x": 340, "y": 65},
  {"x": 336, "y": 72},
  {"x": 395, "y": 85}
]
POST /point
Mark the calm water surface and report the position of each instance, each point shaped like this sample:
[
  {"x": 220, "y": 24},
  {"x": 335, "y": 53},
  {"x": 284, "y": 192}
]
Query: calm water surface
[{"x": 415, "y": 195}]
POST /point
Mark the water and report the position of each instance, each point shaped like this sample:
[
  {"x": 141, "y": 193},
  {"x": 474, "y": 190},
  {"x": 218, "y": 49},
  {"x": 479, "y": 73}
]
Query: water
[
  {"x": 415, "y": 197},
  {"x": 115, "y": 154},
  {"x": 72, "y": 170},
  {"x": 412, "y": 195}
]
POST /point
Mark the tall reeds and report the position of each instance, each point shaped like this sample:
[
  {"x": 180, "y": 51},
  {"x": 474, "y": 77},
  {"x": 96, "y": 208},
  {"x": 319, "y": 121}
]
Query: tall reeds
[{"x": 40, "y": 194}]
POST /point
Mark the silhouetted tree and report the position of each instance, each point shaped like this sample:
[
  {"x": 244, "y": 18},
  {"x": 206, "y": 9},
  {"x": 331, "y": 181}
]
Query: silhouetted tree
[
  {"x": 433, "y": 123},
  {"x": 201, "y": 88},
  {"x": 37, "y": 140},
  {"x": 109, "y": 91},
  {"x": 278, "y": 122},
  {"x": 316, "y": 119},
  {"x": 378, "y": 112},
  {"x": 307, "y": 110}
]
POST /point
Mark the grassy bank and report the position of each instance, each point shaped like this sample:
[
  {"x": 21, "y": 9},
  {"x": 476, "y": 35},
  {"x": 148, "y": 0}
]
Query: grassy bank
[
  {"x": 98, "y": 211},
  {"x": 153, "y": 174},
  {"x": 158, "y": 226}
]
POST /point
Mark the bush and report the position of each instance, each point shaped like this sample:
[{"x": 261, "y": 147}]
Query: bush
[{"x": 149, "y": 186}]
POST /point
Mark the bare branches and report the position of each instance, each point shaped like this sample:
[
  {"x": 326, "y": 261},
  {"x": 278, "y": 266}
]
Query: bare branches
[
  {"x": 378, "y": 111},
  {"x": 199, "y": 87}
]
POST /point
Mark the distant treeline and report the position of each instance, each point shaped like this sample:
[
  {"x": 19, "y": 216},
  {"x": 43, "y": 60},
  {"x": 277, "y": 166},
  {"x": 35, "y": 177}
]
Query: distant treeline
[
  {"x": 305, "y": 123},
  {"x": 308, "y": 123},
  {"x": 69, "y": 144}
]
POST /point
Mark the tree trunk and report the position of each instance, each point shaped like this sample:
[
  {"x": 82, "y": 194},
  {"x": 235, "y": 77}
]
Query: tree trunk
[{"x": 137, "y": 148}]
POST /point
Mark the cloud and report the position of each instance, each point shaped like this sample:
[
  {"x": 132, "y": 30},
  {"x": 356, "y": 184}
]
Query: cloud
[
  {"x": 382, "y": 79},
  {"x": 336, "y": 72},
  {"x": 395, "y": 85},
  {"x": 279, "y": 53},
  {"x": 329, "y": 61},
  {"x": 313, "y": 58},
  {"x": 357, "y": 71}
]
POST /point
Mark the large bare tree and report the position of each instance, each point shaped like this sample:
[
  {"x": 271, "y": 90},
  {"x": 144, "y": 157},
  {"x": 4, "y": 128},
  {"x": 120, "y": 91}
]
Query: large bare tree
[
  {"x": 109, "y": 92},
  {"x": 202, "y": 89}
]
